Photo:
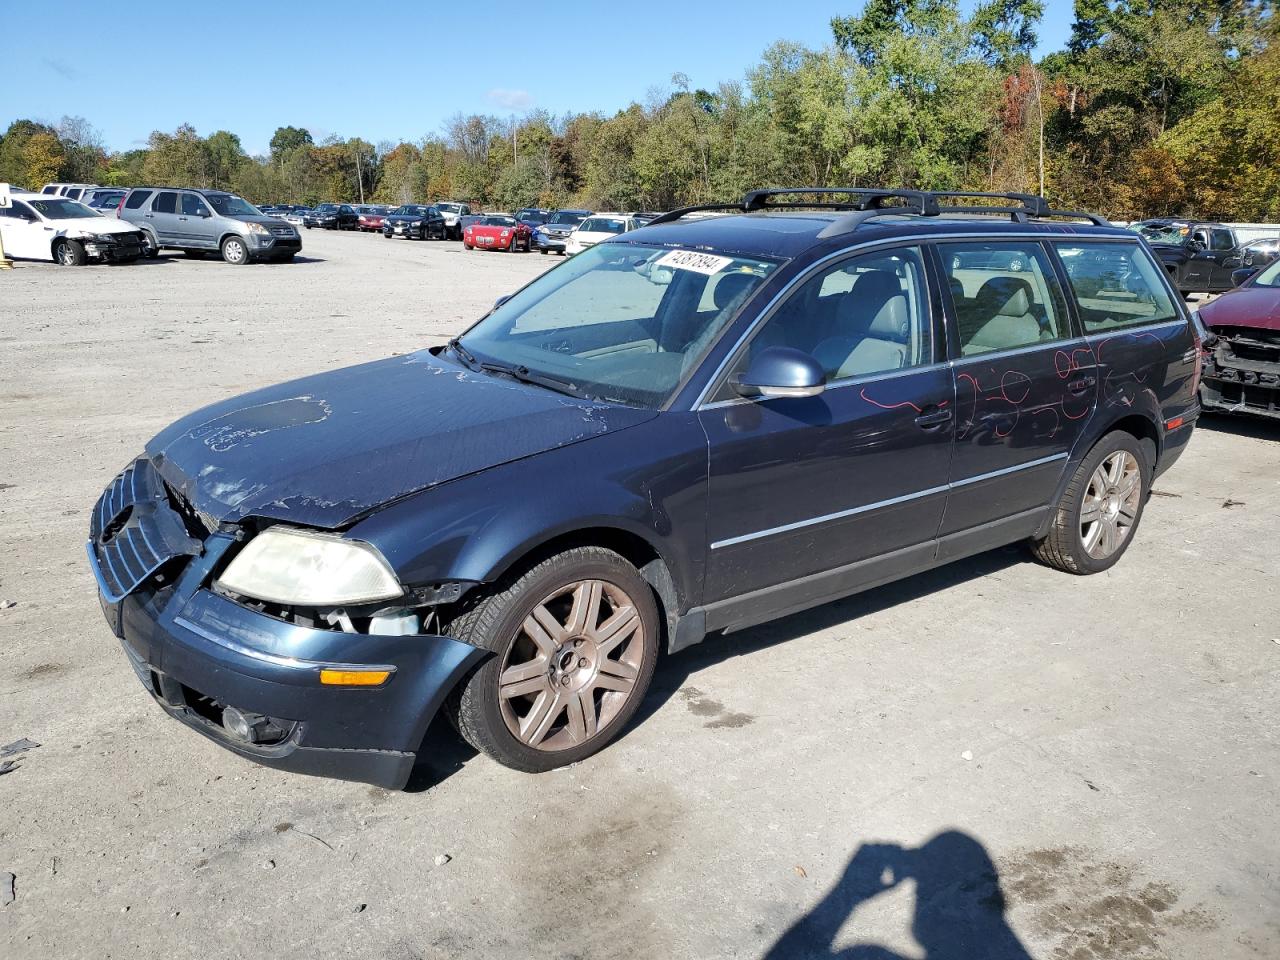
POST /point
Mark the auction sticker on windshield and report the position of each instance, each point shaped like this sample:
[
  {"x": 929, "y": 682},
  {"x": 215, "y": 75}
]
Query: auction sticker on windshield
[{"x": 707, "y": 263}]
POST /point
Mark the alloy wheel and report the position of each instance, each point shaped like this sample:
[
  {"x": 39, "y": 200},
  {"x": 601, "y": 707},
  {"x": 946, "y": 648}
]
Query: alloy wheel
[
  {"x": 572, "y": 666},
  {"x": 1111, "y": 504}
]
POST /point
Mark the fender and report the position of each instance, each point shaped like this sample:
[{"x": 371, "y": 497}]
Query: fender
[{"x": 476, "y": 528}]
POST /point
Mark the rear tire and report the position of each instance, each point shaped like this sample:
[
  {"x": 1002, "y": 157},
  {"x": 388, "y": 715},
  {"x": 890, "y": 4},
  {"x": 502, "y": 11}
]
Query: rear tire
[
  {"x": 1096, "y": 519},
  {"x": 575, "y": 643}
]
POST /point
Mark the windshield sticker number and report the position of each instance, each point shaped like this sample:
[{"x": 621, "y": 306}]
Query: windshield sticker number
[{"x": 707, "y": 263}]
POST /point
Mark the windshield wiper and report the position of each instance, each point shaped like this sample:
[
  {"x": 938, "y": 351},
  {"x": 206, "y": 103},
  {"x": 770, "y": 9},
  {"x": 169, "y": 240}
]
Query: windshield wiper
[
  {"x": 519, "y": 371},
  {"x": 463, "y": 353}
]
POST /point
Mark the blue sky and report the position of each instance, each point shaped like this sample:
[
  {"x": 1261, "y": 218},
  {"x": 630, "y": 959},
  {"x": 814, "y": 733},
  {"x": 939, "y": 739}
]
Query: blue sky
[{"x": 375, "y": 69}]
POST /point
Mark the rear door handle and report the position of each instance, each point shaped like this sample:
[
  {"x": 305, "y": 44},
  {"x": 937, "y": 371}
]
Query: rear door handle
[
  {"x": 1081, "y": 385},
  {"x": 934, "y": 418}
]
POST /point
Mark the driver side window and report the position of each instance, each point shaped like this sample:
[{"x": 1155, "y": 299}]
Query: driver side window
[{"x": 865, "y": 315}]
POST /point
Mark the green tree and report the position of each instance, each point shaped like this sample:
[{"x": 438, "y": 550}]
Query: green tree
[
  {"x": 286, "y": 140},
  {"x": 226, "y": 156},
  {"x": 42, "y": 158}
]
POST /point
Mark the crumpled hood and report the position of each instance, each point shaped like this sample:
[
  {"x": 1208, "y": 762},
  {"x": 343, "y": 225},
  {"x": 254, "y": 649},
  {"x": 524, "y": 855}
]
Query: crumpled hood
[
  {"x": 325, "y": 449},
  {"x": 1257, "y": 307}
]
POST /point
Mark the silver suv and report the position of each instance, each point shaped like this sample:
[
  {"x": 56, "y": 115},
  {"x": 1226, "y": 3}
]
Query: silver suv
[{"x": 206, "y": 221}]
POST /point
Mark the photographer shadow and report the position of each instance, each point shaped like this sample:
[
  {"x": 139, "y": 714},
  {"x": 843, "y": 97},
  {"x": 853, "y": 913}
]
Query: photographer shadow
[{"x": 959, "y": 911}]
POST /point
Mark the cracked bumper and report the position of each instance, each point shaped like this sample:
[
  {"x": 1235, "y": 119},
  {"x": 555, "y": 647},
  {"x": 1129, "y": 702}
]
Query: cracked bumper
[{"x": 196, "y": 652}]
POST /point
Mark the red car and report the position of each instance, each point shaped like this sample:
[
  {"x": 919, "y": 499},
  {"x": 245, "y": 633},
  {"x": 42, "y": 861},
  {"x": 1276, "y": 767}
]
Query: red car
[
  {"x": 497, "y": 231},
  {"x": 372, "y": 218},
  {"x": 1242, "y": 355}
]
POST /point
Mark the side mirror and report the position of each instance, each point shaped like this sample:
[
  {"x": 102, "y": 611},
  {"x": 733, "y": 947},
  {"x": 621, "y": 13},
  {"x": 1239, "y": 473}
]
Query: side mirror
[
  {"x": 781, "y": 372},
  {"x": 1238, "y": 277}
]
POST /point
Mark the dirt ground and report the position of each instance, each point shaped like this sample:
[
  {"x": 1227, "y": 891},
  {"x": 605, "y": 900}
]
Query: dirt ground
[{"x": 994, "y": 760}]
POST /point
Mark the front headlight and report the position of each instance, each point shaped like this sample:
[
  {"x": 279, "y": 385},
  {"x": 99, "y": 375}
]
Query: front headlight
[
  {"x": 285, "y": 565},
  {"x": 256, "y": 227}
]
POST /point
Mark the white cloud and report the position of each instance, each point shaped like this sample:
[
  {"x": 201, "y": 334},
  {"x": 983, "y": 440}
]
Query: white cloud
[{"x": 511, "y": 99}]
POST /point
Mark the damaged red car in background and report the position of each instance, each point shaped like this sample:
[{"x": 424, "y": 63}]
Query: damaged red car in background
[{"x": 1242, "y": 358}]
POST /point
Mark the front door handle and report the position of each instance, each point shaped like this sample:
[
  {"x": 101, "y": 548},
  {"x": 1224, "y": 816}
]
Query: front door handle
[
  {"x": 1081, "y": 385},
  {"x": 933, "y": 418}
]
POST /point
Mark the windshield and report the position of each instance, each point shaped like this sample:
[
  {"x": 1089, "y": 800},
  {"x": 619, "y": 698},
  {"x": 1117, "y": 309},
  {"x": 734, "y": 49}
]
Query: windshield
[
  {"x": 603, "y": 225},
  {"x": 449, "y": 207},
  {"x": 327, "y": 208},
  {"x": 1161, "y": 232},
  {"x": 409, "y": 210},
  {"x": 620, "y": 322},
  {"x": 572, "y": 219},
  {"x": 1269, "y": 277},
  {"x": 229, "y": 205},
  {"x": 496, "y": 222},
  {"x": 62, "y": 209}
]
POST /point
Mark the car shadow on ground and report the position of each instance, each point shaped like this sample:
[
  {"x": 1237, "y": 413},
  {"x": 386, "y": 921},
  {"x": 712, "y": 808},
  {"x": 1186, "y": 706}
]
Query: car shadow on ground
[
  {"x": 674, "y": 669},
  {"x": 959, "y": 904},
  {"x": 1252, "y": 427}
]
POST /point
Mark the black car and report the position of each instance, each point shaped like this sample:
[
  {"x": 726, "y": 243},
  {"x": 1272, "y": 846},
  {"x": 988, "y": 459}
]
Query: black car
[
  {"x": 1258, "y": 253},
  {"x": 415, "y": 221},
  {"x": 693, "y": 427},
  {"x": 332, "y": 216},
  {"x": 1199, "y": 257}
]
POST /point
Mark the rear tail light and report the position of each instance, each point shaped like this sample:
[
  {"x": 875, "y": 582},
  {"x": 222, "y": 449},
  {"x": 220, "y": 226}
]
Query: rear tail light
[{"x": 120, "y": 205}]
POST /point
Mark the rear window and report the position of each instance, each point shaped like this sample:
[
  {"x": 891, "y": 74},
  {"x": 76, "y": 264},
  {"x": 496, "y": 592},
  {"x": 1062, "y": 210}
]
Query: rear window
[
  {"x": 137, "y": 199},
  {"x": 1116, "y": 285}
]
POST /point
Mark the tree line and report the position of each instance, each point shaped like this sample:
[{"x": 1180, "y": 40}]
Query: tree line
[{"x": 1155, "y": 107}]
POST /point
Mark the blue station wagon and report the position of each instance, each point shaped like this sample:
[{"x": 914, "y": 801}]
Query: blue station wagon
[{"x": 734, "y": 413}]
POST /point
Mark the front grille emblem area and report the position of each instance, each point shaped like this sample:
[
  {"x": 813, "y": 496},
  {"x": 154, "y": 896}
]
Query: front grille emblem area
[{"x": 115, "y": 525}]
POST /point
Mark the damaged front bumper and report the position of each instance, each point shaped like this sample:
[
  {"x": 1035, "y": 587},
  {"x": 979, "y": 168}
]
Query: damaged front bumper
[
  {"x": 198, "y": 653},
  {"x": 1242, "y": 373}
]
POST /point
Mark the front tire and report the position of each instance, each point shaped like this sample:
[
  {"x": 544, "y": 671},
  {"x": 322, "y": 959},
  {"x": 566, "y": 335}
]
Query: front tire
[
  {"x": 1098, "y": 515},
  {"x": 575, "y": 643},
  {"x": 70, "y": 253},
  {"x": 235, "y": 252}
]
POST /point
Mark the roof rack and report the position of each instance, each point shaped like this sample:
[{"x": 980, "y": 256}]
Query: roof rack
[{"x": 864, "y": 204}]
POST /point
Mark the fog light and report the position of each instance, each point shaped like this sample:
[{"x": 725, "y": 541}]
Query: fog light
[
  {"x": 253, "y": 727},
  {"x": 237, "y": 724}
]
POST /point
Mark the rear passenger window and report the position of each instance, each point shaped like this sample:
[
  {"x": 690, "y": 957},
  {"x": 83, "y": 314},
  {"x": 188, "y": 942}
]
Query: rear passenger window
[
  {"x": 865, "y": 315},
  {"x": 137, "y": 199},
  {"x": 1115, "y": 285},
  {"x": 166, "y": 203},
  {"x": 1005, "y": 296}
]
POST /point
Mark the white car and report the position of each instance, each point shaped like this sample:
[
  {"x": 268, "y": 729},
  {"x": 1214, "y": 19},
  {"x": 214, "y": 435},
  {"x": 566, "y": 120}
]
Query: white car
[
  {"x": 452, "y": 212},
  {"x": 38, "y": 226},
  {"x": 597, "y": 227}
]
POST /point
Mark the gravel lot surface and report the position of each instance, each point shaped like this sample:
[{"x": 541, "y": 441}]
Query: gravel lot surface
[{"x": 1098, "y": 755}]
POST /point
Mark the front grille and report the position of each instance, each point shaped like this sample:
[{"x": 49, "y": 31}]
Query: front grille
[
  {"x": 282, "y": 231},
  {"x": 134, "y": 531}
]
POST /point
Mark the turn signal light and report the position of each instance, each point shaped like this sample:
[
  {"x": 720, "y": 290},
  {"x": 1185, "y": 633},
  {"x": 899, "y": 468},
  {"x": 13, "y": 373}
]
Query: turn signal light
[{"x": 354, "y": 678}]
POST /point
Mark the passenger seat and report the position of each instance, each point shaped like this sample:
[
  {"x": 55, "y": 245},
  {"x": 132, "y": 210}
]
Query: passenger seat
[{"x": 1003, "y": 308}]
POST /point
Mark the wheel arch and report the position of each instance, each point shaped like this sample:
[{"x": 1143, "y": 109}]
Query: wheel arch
[
  {"x": 634, "y": 547},
  {"x": 1139, "y": 423}
]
